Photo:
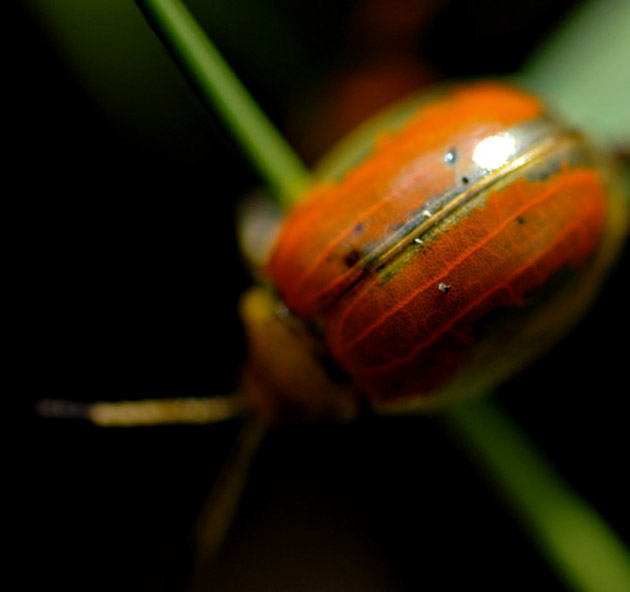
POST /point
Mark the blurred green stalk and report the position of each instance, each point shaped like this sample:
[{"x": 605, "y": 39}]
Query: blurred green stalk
[
  {"x": 222, "y": 92},
  {"x": 572, "y": 536},
  {"x": 574, "y": 539},
  {"x": 583, "y": 71}
]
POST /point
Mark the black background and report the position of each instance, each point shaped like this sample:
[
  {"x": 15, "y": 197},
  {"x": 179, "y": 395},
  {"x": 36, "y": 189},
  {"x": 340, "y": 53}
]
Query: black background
[{"x": 126, "y": 276}]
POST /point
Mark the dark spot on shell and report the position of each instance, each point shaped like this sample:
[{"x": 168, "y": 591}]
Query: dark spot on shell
[
  {"x": 352, "y": 258},
  {"x": 396, "y": 387},
  {"x": 520, "y": 220},
  {"x": 358, "y": 228},
  {"x": 465, "y": 180}
]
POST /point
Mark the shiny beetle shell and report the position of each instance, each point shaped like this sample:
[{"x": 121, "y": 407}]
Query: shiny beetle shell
[{"x": 464, "y": 244}]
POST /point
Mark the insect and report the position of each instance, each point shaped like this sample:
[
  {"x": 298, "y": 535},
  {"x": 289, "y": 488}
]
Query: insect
[
  {"x": 337, "y": 475},
  {"x": 428, "y": 268}
]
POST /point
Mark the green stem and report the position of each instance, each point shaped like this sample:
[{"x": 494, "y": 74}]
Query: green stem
[
  {"x": 574, "y": 538},
  {"x": 221, "y": 91}
]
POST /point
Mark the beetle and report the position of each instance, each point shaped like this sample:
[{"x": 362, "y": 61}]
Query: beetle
[
  {"x": 460, "y": 245},
  {"x": 434, "y": 451}
]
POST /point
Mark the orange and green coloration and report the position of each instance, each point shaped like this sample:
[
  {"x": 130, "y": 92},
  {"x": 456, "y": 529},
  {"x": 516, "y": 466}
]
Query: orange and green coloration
[
  {"x": 524, "y": 243},
  {"x": 462, "y": 246}
]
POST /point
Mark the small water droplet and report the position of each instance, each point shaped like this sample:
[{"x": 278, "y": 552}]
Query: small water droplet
[
  {"x": 450, "y": 157},
  {"x": 442, "y": 287}
]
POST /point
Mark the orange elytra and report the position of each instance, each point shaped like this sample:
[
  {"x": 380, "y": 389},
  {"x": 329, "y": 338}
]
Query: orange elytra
[{"x": 457, "y": 247}]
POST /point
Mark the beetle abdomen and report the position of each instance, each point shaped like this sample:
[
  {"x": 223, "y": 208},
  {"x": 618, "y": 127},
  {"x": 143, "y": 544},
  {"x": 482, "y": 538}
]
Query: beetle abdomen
[
  {"x": 342, "y": 227},
  {"x": 460, "y": 248},
  {"x": 409, "y": 328}
]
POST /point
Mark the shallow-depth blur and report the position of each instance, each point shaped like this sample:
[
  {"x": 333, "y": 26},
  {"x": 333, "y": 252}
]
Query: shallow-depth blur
[{"x": 128, "y": 280}]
